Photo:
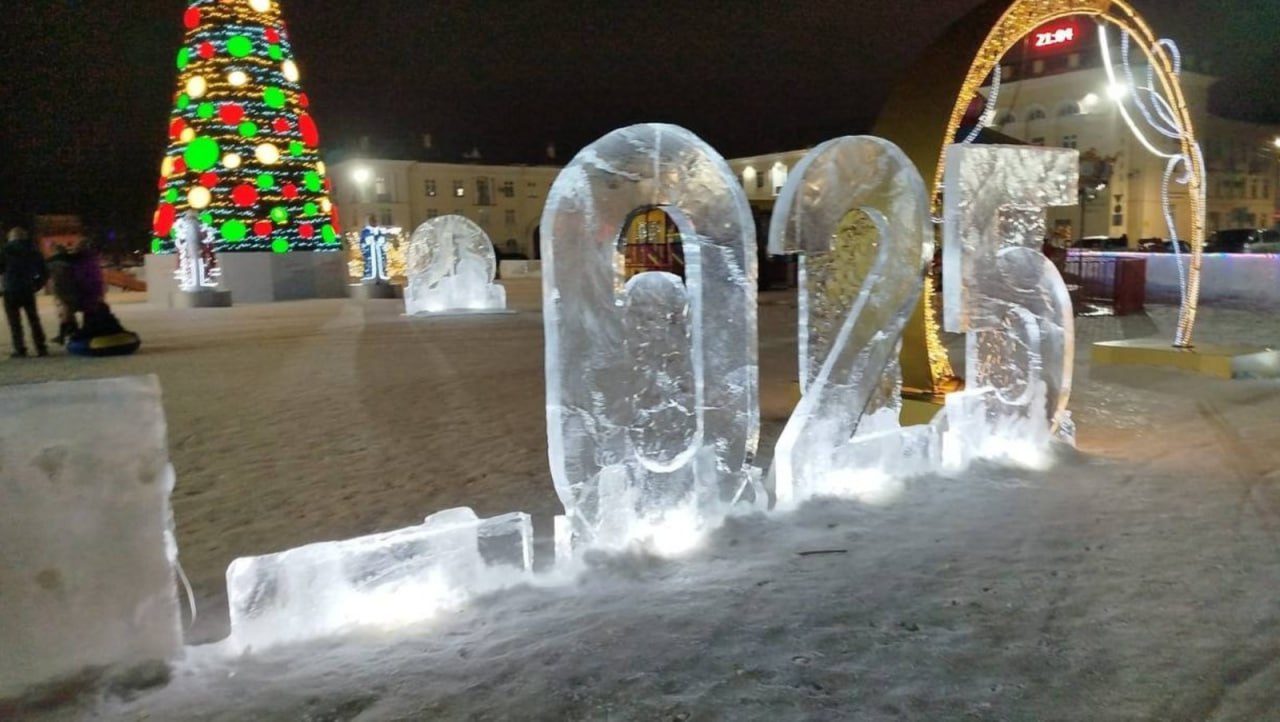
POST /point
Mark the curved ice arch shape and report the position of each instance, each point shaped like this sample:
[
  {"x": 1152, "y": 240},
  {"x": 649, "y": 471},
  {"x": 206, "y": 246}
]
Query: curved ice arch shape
[
  {"x": 652, "y": 416},
  {"x": 1009, "y": 300},
  {"x": 855, "y": 373},
  {"x": 450, "y": 265}
]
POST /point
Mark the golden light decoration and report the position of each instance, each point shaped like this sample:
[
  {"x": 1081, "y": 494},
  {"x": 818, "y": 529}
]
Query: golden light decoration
[
  {"x": 290, "y": 70},
  {"x": 237, "y": 78},
  {"x": 261, "y": 6},
  {"x": 325, "y": 205},
  {"x": 267, "y": 154},
  {"x": 187, "y": 135},
  {"x": 320, "y": 167},
  {"x": 231, "y": 161},
  {"x": 166, "y": 166},
  {"x": 199, "y": 197},
  {"x": 1023, "y": 17},
  {"x": 197, "y": 86}
]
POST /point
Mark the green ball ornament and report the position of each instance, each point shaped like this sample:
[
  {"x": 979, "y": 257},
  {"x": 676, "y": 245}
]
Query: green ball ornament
[
  {"x": 280, "y": 245},
  {"x": 239, "y": 46},
  {"x": 202, "y": 153}
]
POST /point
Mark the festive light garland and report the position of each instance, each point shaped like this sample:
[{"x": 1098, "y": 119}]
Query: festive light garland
[{"x": 243, "y": 150}]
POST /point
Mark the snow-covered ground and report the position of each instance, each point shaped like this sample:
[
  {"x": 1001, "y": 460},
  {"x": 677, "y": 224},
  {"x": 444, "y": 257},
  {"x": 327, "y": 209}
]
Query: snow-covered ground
[{"x": 1136, "y": 580}]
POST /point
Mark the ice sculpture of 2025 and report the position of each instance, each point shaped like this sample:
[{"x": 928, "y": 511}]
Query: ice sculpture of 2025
[{"x": 652, "y": 384}]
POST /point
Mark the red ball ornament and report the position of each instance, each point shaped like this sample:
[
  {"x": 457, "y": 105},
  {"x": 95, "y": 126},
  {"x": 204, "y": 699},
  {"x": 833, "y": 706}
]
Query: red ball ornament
[
  {"x": 245, "y": 196},
  {"x": 281, "y": 125},
  {"x": 272, "y": 35},
  {"x": 328, "y": 186},
  {"x": 334, "y": 218},
  {"x": 176, "y": 127},
  {"x": 205, "y": 50},
  {"x": 164, "y": 183},
  {"x": 262, "y": 228},
  {"x": 289, "y": 191},
  {"x": 180, "y": 165},
  {"x": 192, "y": 18},
  {"x": 306, "y": 230},
  {"x": 307, "y": 126},
  {"x": 165, "y": 216},
  {"x": 303, "y": 100},
  {"x": 209, "y": 180},
  {"x": 231, "y": 113}
]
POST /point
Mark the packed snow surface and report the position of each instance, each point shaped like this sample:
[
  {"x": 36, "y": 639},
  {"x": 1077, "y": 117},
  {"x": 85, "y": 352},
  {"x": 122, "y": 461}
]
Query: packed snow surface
[{"x": 1135, "y": 580}]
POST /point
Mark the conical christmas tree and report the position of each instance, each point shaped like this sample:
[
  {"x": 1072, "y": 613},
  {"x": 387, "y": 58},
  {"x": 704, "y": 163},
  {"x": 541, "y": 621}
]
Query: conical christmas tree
[{"x": 243, "y": 151}]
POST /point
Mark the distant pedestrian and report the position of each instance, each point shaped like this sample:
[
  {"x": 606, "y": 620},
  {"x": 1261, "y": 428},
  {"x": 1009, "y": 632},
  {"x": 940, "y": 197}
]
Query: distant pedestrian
[{"x": 24, "y": 273}]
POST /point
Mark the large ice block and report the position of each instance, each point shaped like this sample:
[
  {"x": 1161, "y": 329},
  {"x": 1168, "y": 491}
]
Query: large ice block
[
  {"x": 86, "y": 530},
  {"x": 652, "y": 417},
  {"x": 451, "y": 266},
  {"x": 1007, "y": 297},
  {"x": 375, "y": 581},
  {"x": 856, "y": 210}
]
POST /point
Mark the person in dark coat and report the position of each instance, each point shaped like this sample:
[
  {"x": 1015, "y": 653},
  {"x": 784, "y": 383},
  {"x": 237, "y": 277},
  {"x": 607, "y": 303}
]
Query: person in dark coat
[
  {"x": 24, "y": 273},
  {"x": 63, "y": 283}
]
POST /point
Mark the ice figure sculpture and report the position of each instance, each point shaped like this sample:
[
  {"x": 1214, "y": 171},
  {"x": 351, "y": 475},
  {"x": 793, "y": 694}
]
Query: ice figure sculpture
[
  {"x": 376, "y": 581},
  {"x": 375, "y": 241},
  {"x": 1008, "y": 298},
  {"x": 652, "y": 416},
  {"x": 87, "y": 530},
  {"x": 451, "y": 267},
  {"x": 197, "y": 263},
  {"x": 856, "y": 210}
]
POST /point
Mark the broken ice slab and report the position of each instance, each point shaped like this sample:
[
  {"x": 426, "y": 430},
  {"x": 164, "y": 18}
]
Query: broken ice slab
[
  {"x": 86, "y": 530},
  {"x": 380, "y": 580}
]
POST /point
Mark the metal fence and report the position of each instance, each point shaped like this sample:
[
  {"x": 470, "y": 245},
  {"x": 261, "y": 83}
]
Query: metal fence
[{"x": 1113, "y": 283}]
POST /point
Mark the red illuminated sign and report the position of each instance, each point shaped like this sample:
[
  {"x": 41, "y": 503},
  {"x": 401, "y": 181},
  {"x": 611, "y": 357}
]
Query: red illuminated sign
[{"x": 1052, "y": 36}]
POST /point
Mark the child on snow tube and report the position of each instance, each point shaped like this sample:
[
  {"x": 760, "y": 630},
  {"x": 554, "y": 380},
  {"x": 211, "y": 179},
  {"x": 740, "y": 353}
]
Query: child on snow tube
[{"x": 102, "y": 335}]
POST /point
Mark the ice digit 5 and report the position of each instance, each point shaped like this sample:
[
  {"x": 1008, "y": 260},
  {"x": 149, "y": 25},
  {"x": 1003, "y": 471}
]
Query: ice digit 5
[
  {"x": 1008, "y": 298},
  {"x": 857, "y": 290},
  {"x": 652, "y": 414}
]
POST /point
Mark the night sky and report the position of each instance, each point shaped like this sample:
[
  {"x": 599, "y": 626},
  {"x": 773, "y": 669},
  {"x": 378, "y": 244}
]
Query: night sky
[{"x": 87, "y": 83}]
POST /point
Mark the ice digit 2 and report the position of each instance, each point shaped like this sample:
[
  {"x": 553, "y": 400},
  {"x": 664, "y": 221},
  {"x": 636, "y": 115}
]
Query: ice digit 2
[
  {"x": 649, "y": 297},
  {"x": 1003, "y": 292},
  {"x": 857, "y": 292}
]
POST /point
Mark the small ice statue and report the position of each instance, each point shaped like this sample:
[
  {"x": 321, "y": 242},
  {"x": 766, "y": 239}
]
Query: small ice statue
[
  {"x": 652, "y": 416},
  {"x": 374, "y": 242},
  {"x": 197, "y": 263},
  {"x": 856, "y": 211},
  {"x": 451, "y": 267},
  {"x": 1008, "y": 298}
]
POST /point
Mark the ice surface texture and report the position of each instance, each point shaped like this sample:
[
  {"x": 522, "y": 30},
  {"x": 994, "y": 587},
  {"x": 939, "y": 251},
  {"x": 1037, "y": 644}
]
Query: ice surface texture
[
  {"x": 1008, "y": 298},
  {"x": 86, "y": 530},
  {"x": 451, "y": 266},
  {"x": 197, "y": 264},
  {"x": 652, "y": 416},
  {"x": 380, "y": 580},
  {"x": 856, "y": 210}
]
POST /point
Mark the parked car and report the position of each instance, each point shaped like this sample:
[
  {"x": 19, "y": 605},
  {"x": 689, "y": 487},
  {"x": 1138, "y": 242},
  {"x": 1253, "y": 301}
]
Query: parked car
[
  {"x": 1162, "y": 245},
  {"x": 1243, "y": 240},
  {"x": 1102, "y": 243}
]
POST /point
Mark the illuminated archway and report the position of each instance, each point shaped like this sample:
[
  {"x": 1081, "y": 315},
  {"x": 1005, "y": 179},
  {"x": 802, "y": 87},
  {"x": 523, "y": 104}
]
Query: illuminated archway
[{"x": 912, "y": 119}]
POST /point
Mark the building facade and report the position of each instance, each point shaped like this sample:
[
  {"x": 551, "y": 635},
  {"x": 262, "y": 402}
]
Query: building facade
[
  {"x": 506, "y": 201},
  {"x": 1054, "y": 91}
]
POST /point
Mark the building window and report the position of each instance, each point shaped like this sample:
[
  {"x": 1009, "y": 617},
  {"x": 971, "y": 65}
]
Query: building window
[
  {"x": 1037, "y": 141},
  {"x": 459, "y": 189},
  {"x": 430, "y": 187},
  {"x": 1073, "y": 60},
  {"x": 778, "y": 176},
  {"x": 432, "y": 213},
  {"x": 1036, "y": 114},
  {"x": 509, "y": 218},
  {"x": 385, "y": 217},
  {"x": 380, "y": 189},
  {"x": 1266, "y": 188},
  {"x": 1070, "y": 141},
  {"x": 532, "y": 189},
  {"x": 1037, "y": 67},
  {"x": 508, "y": 189},
  {"x": 749, "y": 177},
  {"x": 483, "y": 197},
  {"x": 1069, "y": 108}
]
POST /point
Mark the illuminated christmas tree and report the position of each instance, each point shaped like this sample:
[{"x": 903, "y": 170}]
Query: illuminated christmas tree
[{"x": 243, "y": 150}]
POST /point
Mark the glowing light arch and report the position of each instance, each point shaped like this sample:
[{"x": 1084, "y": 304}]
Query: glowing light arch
[{"x": 925, "y": 364}]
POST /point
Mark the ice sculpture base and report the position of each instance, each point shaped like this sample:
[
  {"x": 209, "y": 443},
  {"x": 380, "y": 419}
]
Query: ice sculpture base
[
  {"x": 204, "y": 298},
  {"x": 377, "y": 581},
  {"x": 463, "y": 312},
  {"x": 86, "y": 528},
  {"x": 369, "y": 291},
  {"x": 1223, "y": 362}
]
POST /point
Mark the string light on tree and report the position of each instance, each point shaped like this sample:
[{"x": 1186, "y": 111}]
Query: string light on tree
[{"x": 243, "y": 149}]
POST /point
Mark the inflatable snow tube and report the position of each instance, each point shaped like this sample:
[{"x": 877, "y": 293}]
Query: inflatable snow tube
[{"x": 114, "y": 344}]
